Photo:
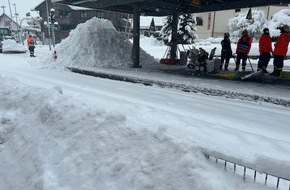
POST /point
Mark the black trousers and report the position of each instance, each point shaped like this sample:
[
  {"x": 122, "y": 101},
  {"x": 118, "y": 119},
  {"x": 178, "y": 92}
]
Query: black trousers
[
  {"x": 225, "y": 57},
  {"x": 278, "y": 61},
  {"x": 264, "y": 59},
  {"x": 31, "y": 50},
  {"x": 278, "y": 64},
  {"x": 243, "y": 57}
]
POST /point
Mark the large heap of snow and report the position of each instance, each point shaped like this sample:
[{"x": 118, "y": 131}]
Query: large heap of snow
[
  {"x": 51, "y": 141},
  {"x": 97, "y": 43},
  {"x": 10, "y": 46}
]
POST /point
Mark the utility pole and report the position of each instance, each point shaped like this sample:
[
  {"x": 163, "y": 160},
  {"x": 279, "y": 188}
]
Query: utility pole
[
  {"x": 11, "y": 22},
  {"x": 16, "y": 14},
  {"x": 47, "y": 14}
]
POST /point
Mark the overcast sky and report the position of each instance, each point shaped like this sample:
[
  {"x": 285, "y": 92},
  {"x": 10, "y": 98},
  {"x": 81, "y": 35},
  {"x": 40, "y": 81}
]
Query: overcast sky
[{"x": 22, "y": 7}]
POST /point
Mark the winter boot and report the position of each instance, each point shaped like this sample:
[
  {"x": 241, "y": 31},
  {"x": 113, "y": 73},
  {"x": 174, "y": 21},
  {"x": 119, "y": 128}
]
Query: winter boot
[
  {"x": 226, "y": 67},
  {"x": 265, "y": 71},
  {"x": 275, "y": 73}
]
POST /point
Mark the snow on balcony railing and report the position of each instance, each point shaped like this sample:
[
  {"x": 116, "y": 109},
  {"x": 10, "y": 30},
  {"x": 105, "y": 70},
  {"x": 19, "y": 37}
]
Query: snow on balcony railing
[{"x": 248, "y": 173}]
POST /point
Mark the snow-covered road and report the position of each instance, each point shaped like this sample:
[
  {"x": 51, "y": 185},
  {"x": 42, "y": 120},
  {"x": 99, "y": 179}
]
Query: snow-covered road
[{"x": 243, "y": 130}]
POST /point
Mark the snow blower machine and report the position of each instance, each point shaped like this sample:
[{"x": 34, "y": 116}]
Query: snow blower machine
[{"x": 202, "y": 62}]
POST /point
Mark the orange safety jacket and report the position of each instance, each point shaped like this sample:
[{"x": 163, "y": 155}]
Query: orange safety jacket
[
  {"x": 281, "y": 46},
  {"x": 244, "y": 45},
  {"x": 265, "y": 44},
  {"x": 30, "y": 42}
]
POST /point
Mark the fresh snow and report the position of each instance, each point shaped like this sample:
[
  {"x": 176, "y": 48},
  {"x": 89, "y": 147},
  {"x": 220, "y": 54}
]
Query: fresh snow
[
  {"x": 10, "y": 46},
  {"x": 65, "y": 131}
]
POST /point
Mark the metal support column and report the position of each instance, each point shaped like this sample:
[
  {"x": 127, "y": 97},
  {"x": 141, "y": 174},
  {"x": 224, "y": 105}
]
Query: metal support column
[
  {"x": 173, "y": 43},
  {"x": 136, "y": 37},
  {"x": 47, "y": 14}
]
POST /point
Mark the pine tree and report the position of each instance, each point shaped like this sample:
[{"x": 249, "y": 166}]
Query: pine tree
[
  {"x": 166, "y": 30},
  {"x": 186, "y": 29}
]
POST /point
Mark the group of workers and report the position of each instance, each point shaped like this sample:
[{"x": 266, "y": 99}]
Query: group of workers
[{"x": 265, "y": 49}]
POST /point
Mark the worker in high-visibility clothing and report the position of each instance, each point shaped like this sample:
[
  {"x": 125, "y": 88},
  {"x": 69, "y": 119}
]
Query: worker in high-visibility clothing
[
  {"x": 280, "y": 50},
  {"x": 31, "y": 46}
]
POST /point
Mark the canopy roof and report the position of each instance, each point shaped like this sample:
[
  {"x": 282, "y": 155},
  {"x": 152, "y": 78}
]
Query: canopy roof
[{"x": 167, "y": 7}]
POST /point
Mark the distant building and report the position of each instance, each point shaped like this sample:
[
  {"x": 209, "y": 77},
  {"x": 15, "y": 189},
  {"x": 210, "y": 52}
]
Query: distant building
[
  {"x": 151, "y": 26},
  {"x": 208, "y": 24},
  {"x": 215, "y": 24},
  {"x": 68, "y": 17},
  {"x": 6, "y": 21}
]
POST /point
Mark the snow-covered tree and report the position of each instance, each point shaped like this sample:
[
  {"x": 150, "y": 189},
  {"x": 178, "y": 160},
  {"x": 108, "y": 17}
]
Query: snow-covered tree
[
  {"x": 254, "y": 26},
  {"x": 279, "y": 19},
  {"x": 186, "y": 30},
  {"x": 166, "y": 30}
]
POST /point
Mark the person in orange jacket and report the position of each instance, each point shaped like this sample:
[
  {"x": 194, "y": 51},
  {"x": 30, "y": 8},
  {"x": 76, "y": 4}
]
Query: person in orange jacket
[
  {"x": 243, "y": 48},
  {"x": 280, "y": 50},
  {"x": 265, "y": 49},
  {"x": 31, "y": 47}
]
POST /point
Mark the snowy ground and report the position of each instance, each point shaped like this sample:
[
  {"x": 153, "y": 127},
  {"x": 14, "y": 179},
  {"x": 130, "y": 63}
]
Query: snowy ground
[{"x": 64, "y": 131}]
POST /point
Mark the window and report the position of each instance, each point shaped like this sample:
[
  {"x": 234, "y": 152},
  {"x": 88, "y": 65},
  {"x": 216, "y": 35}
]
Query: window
[
  {"x": 84, "y": 14},
  {"x": 199, "y": 21},
  {"x": 100, "y": 14},
  {"x": 65, "y": 14},
  {"x": 67, "y": 27},
  {"x": 5, "y": 31}
]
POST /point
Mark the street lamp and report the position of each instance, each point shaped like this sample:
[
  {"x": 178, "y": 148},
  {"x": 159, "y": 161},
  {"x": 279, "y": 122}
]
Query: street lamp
[
  {"x": 52, "y": 21},
  {"x": 52, "y": 25},
  {"x": 16, "y": 14}
]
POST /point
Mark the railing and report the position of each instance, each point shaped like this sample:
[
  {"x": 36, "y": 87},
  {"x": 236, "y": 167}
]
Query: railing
[
  {"x": 247, "y": 172},
  {"x": 254, "y": 56}
]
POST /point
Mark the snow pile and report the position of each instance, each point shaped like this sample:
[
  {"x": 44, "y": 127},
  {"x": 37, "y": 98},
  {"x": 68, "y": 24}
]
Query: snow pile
[
  {"x": 50, "y": 141},
  {"x": 10, "y": 46},
  {"x": 150, "y": 41},
  {"x": 96, "y": 43}
]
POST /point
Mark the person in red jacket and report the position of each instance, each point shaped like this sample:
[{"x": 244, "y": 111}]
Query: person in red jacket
[
  {"x": 280, "y": 50},
  {"x": 265, "y": 49},
  {"x": 243, "y": 48},
  {"x": 31, "y": 47}
]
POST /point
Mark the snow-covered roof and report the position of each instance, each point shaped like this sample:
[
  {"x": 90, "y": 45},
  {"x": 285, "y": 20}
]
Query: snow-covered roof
[
  {"x": 6, "y": 16},
  {"x": 76, "y": 8},
  {"x": 145, "y": 21}
]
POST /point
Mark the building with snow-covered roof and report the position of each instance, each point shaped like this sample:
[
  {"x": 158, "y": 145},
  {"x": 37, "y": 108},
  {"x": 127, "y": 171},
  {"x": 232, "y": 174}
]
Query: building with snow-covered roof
[
  {"x": 150, "y": 25},
  {"x": 68, "y": 17},
  {"x": 215, "y": 24},
  {"x": 6, "y": 21}
]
